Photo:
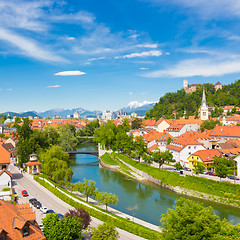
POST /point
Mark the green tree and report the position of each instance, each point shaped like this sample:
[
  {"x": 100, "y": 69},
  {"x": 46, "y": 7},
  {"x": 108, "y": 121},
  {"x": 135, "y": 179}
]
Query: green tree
[
  {"x": 190, "y": 220},
  {"x": 209, "y": 124},
  {"x": 169, "y": 141},
  {"x": 158, "y": 157},
  {"x": 67, "y": 137},
  {"x": 23, "y": 135},
  {"x": 140, "y": 146},
  {"x": 198, "y": 167},
  {"x": 106, "y": 198},
  {"x": 89, "y": 188},
  {"x": 178, "y": 166},
  {"x": 105, "y": 231},
  {"x": 61, "y": 229},
  {"x": 55, "y": 163},
  {"x": 106, "y": 134},
  {"x": 220, "y": 167},
  {"x": 136, "y": 123}
]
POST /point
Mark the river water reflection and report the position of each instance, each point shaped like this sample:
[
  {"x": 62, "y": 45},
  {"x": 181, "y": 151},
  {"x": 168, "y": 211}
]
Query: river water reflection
[{"x": 151, "y": 200}]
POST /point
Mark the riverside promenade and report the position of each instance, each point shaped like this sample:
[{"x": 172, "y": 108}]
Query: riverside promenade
[{"x": 48, "y": 199}]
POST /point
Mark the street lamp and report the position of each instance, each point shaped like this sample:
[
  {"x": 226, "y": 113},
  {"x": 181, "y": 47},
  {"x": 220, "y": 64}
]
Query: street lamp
[{"x": 132, "y": 209}]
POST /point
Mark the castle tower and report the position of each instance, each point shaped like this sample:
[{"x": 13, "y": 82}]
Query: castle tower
[
  {"x": 204, "y": 107},
  {"x": 185, "y": 84}
]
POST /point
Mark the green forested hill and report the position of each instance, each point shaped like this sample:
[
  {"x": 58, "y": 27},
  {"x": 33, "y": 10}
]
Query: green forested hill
[{"x": 181, "y": 101}]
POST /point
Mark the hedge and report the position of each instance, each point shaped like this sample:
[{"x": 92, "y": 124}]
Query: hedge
[{"x": 119, "y": 222}]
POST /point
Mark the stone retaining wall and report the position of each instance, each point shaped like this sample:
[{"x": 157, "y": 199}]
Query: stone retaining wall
[{"x": 112, "y": 167}]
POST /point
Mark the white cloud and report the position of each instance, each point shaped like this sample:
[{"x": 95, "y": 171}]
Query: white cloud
[
  {"x": 143, "y": 68},
  {"x": 207, "y": 9},
  {"x": 9, "y": 89},
  {"x": 167, "y": 53},
  {"x": 130, "y": 93},
  {"x": 28, "y": 47},
  {"x": 154, "y": 53},
  {"x": 95, "y": 59},
  {"x": 148, "y": 45},
  {"x": 82, "y": 17},
  {"x": 198, "y": 67},
  {"x": 69, "y": 73},
  {"x": 54, "y": 86},
  {"x": 71, "y": 38}
]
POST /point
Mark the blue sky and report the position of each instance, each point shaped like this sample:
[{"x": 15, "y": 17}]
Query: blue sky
[{"x": 104, "y": 54}]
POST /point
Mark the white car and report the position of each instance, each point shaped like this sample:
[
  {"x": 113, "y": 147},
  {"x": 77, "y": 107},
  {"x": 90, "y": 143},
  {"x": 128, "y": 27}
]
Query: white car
[{"x": 43, "y": 209}]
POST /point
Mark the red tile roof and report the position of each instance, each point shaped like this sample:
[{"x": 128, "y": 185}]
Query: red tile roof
[
  {"x": 6, "y": 171},
  {"x": 207, "y": 155},
  {"x": 14, "y": 217},
  {"x": 4, "y": 155},
  {"x": 225, "y": 131}
]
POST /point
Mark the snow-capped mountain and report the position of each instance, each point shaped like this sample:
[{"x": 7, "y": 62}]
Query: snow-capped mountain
[
  {"x": 136, "y": 104},
  {"x": 138, "y": 107}
]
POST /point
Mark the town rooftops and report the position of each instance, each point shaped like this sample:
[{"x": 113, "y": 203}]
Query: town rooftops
[
  {"x": 6, "y": 171},
  {"x": 19, "y": 222},
  {"x": 207, "y": 155},
  {"x": 4, "y": 155},
  {"x": 225, "y": 131},
  {"x": 188, "y": 138}
]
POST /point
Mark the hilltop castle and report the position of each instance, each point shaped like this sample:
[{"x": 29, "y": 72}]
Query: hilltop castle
[{"x": 192, "y": 88}]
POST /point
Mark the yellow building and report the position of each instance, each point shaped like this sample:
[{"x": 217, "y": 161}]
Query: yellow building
[{"x": 204, "y": 156}]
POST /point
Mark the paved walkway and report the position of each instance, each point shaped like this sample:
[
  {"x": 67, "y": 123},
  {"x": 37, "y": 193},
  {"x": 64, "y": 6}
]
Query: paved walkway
[
  {"x": 111, "y": 210},
  {"x": 48, "y": 199}
]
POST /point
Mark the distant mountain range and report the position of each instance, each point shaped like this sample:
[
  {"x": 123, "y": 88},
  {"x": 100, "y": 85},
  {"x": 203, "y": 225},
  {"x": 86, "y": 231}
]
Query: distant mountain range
[{"x": 135, "y": 106}]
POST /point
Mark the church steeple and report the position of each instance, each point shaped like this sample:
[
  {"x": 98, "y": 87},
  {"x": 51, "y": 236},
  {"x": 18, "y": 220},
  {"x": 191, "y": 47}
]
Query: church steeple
[{"x": 204, "y": 107}]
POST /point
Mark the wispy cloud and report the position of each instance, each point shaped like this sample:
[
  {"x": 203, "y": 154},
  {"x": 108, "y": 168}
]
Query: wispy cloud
[
  {"x": 81, "y": 17},
  {"x": 154, "y": 53},
  {"x": 206, "y": 9},
  {"x": 198, "y": 67},
  {"x": 54, "y": 86},
  {"x": 29, "y": 47},
  {"x": 71, "y": 38},
  {"x": 130, "y": 93},
  {"x": 144, "y": 68},
  {"x": 148, "y": 45},
  {"x": 69, "y": 73},
  {"x": 9, "y": 89}
]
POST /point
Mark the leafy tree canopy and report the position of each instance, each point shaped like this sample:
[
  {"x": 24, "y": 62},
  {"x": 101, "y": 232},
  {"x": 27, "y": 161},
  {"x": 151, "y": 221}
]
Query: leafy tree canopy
[
  {"x": 105, "y": 231},
  {"x": 180, "y": 101}
]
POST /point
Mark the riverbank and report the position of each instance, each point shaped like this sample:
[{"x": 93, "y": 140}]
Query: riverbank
[
  {"x": 144, "y": 230},
  {"x": 202, "y": 188}
]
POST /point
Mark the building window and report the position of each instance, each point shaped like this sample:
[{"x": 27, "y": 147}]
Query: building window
[
  {"x": 25, "y": 231},
  {"x": 192, "y": 157},
  {"x": 189, "y": 147},
  {"x": 194, "y": 147},
  {"x": 189, "y": 153}
]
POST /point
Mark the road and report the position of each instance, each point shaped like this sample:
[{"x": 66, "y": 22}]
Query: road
[
  {"x": 216, "y": 178},
  {"x": 48, "y": 199}
]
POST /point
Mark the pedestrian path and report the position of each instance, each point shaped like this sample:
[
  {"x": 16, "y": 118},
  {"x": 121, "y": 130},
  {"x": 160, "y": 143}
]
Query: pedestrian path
[{"x": 112, "y": 210}]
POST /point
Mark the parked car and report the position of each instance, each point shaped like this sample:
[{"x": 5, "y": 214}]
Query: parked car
[
  {"x": 60, "y": 216},
  {"x": 211, "y": 173},
  {"x": 175, "y": 170},
  {"x": 32, "y": 200},
  {"x": 37, "y": 204},
  {"x": 187, "y": 169},
  {"x": 233, "y": 177},
  {"x": 43, "y": 209},
  {"x": 50, "y": 211},
  {"x": 24, "y": 193}
]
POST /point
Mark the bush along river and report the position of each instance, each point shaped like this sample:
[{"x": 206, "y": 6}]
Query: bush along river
[{"x": 149, "y": 201}]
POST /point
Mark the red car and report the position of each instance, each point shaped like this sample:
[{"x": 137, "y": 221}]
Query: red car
[
  {"x": 211, "y": 173},
  {"x": 24, "y": 193}
]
